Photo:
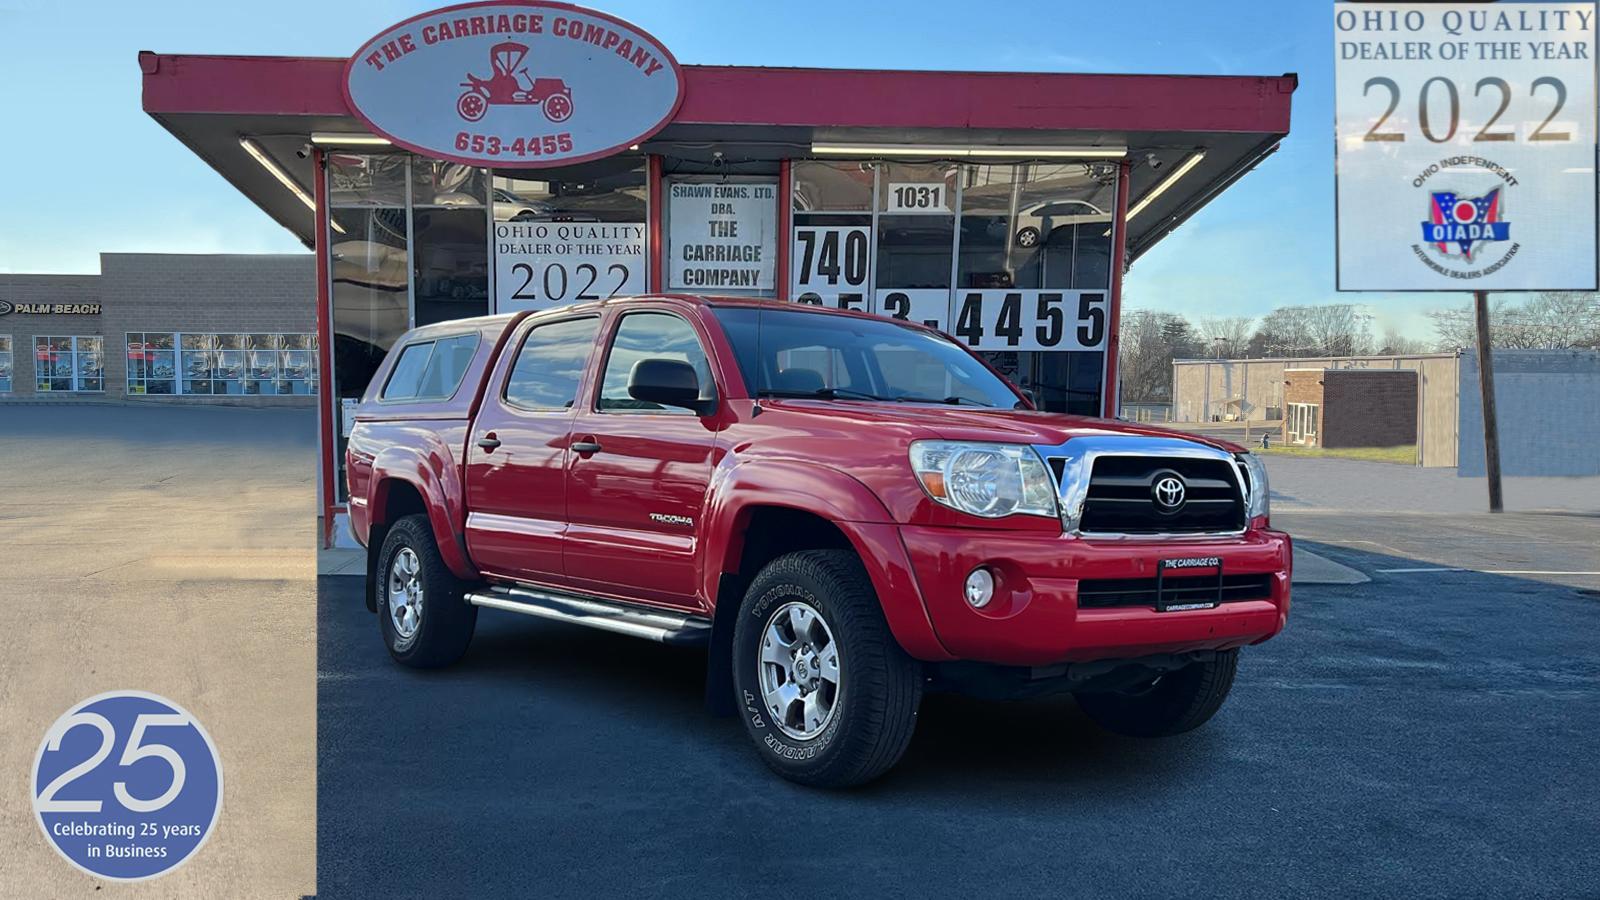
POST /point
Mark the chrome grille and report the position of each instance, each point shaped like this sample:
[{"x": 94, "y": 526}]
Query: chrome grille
[{"x": 1108, "y": 486}]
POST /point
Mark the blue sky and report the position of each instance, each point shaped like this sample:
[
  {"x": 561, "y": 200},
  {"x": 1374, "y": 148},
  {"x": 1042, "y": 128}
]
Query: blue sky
[{"x": 87, "y": 170}]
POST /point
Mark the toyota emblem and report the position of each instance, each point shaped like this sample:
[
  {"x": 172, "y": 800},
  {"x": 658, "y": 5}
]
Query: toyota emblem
[{"x": 1169, "y": 493}]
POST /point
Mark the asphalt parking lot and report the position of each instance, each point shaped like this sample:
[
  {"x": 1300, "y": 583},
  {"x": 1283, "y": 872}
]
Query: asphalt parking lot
[{"x": 1428, "y": 733}]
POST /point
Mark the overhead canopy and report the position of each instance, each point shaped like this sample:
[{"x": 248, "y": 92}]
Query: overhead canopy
[{"x": 753, "y": 113}]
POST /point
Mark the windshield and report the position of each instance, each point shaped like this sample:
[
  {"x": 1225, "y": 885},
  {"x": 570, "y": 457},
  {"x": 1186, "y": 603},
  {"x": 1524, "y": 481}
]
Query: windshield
[{"x": 788, "y": 353}]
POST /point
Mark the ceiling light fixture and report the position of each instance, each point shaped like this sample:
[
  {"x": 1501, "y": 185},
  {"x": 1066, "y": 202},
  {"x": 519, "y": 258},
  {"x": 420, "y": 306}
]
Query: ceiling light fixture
[
  {"x": 342, "y": 139},
  {"x": 284, "y": 178},
  {"x": 968, "y": 152},
  {"x": 1166, "y": 183}
]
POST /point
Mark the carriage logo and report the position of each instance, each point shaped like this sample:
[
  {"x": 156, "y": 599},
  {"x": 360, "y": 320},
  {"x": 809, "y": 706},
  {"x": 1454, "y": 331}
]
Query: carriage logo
[
  {"x": 1458, "y": 225},
  {"x": 510, "y": 84}
]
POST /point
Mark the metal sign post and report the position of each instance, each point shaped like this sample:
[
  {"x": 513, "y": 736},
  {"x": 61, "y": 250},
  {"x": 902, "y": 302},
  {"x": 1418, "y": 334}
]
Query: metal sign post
[{"x": 1491, "y": 427}]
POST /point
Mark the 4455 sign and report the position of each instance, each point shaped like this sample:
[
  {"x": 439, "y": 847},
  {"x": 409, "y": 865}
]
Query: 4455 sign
[{"x": 1003, "y": 319}]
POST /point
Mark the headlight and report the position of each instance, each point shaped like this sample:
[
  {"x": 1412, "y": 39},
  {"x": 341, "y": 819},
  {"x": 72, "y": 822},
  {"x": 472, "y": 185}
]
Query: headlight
[
  {"x": 1256, "y": 492},
  {"x": 989, "y": 480}
]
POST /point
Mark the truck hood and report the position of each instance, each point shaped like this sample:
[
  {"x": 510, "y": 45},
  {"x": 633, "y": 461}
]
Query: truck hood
[{"x": 958, "y": 423}]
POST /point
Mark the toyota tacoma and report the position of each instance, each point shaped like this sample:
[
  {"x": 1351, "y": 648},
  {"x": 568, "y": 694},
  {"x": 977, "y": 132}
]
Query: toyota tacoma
[{"x": 845, "y": 511}]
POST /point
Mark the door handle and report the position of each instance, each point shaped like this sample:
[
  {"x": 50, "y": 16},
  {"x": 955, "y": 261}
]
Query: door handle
[
  {"x": 488, "y": 442},
  {"x": 585, "y": 447}
]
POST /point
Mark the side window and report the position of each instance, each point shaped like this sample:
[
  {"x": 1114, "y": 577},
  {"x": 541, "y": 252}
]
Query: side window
[
  {"x": 550, "y": 364},
  {"x": 651, "y": 336},
  {"x": 451, "y": 357},
  {"x": 407, "y": 375}
]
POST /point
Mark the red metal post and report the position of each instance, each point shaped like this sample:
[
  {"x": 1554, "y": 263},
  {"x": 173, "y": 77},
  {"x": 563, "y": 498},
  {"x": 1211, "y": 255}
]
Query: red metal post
[
  {"x": 658, "y": 249},
  {"x": 1119, "y": 257},
  {"x": 325, "y": 387},
  {"x": 785, "y": 211}
]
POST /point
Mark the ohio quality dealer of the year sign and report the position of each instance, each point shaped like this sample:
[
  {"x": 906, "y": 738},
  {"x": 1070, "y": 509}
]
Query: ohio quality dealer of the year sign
[
  {"x": 514, "y": 84},
  {"x": 1465, "y": 155}
]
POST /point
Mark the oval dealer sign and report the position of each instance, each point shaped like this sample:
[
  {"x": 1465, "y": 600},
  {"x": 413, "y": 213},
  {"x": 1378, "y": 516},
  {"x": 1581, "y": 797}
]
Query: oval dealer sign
[{"x": 511, "y": 84}]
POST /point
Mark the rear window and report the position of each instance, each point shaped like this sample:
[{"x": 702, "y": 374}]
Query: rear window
[{"x": 431, "y": 370}]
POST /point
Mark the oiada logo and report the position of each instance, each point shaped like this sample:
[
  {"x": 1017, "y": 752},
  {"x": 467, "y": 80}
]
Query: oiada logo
[
  {"x": 514, "y": 83},
  {"x": 1462, "y": 232}
]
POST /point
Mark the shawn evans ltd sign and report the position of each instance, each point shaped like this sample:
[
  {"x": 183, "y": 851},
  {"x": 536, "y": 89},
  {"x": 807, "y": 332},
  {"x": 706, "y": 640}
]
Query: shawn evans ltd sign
[{"x": 514, "y": 84}]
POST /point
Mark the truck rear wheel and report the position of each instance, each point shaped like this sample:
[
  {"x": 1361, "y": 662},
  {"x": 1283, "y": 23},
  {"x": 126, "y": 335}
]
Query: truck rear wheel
[
  {"x": 824, "y": 690},
  {"x": 425, "y": 621},
  {"x": 1171, "y": 703}
]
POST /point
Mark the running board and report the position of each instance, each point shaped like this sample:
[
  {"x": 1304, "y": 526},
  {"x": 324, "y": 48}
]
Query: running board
[{"x": 636, "y": 621}]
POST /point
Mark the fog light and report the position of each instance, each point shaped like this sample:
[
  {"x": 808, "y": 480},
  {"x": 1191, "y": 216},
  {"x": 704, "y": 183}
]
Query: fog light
[{"x": 979, "y": 588}]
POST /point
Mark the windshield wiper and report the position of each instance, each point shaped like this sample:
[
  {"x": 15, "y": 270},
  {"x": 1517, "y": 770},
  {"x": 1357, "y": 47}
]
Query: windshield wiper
[
  {"x": 824, "y": 394},
  {"x": 951, "y": 400}
]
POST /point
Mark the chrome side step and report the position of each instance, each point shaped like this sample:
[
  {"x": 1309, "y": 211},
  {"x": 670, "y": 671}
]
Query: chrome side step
[{"x": 636, "y": 621}]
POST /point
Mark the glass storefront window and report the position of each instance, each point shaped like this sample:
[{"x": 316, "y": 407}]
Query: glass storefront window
[
  {"x": 5, "y": 363},
  {"x": 1037, "y": 227},
  {"x": 68, "y": 364},
  {"x": 152, "y": 363},
  {"x": 916, "y": 225},
  {"x": 226, "y": 364},
  {"x": 823, "y": 187},
  {"x": 609, "y": 190},
  {"x": 1000, "y": 256},
  {"x": 450, "y": 257},
  {"x": 438, "y": 183},
  {"x": 359, "y": 179}
]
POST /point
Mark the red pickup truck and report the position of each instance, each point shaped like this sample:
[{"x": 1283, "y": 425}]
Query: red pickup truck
[{"x": 845, "y": 510}]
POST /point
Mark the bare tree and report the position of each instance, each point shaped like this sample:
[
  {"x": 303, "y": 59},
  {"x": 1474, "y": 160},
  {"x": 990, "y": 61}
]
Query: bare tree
[
  {"x": 1337, "y": 329},
  {"x": 1396, "y": 344},
  {"x": 1227, "y": 336},
  {"x": 1150, "y": 341},
  {"x": 1552, "y": 320}
]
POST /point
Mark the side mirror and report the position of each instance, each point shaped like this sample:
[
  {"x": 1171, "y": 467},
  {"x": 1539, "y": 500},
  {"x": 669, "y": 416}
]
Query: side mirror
[{"x": 669, "y": 382}]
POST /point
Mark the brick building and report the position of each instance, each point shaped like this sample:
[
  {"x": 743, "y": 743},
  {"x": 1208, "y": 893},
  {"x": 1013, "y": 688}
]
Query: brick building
[
  {"x": 1350, "y": 407},
  {"x": 154, "y": 327}
]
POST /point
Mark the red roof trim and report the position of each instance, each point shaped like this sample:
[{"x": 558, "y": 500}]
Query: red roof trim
[{"x": 832, "y": 98}]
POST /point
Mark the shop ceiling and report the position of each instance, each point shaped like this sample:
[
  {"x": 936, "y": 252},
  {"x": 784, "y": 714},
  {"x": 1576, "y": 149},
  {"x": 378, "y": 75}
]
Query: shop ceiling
[{"x": 1212, "y": 128}]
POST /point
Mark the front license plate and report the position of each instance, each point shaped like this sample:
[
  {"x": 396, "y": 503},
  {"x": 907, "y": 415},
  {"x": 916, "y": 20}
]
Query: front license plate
[{"x": 1171, "y": 599}]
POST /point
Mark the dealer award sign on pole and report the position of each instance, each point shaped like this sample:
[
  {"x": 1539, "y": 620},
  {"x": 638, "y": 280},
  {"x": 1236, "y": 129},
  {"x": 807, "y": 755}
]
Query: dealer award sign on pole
[{"x": 1465, "y": 154}]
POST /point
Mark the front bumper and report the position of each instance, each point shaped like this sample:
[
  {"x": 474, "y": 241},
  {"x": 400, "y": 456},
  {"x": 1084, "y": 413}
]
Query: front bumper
[{"x": 1035, "y": 618}]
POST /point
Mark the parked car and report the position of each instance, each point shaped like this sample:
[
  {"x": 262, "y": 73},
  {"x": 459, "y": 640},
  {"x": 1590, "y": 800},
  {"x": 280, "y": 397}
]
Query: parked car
[
  {"x": 846, "y": 511},
  {"x": 1038, "y": 220}
]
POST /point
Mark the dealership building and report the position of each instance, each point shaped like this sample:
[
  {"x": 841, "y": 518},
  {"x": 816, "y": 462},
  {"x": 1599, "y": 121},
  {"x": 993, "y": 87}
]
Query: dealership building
[
  {"x": 505, "y": 156},
  {"x": 163, "y": 328}
]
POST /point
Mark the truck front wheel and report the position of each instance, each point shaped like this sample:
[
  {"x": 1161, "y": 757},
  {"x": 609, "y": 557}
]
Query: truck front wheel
[
  {"x": 824, "y": 690},
  {"x": 1171, "y": 703},
  {"x": 426, "y": 623}
]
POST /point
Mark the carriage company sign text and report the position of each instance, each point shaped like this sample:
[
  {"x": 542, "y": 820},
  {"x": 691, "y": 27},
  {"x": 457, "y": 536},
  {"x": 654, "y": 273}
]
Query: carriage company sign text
[{"x": 523, "y": 83}]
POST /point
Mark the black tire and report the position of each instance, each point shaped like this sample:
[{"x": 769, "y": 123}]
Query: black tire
[
  {"x": 1028, "y": 237},
  {"x": 445, "y": 621},
  {"x": 1177, "y": 702},
  {"x": 879, "y": 687}
]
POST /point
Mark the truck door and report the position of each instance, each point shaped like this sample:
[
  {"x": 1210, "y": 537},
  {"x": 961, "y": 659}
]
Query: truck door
[
  {"x": 517, "y": 452},
  {"x": 638, "y": 472}
]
